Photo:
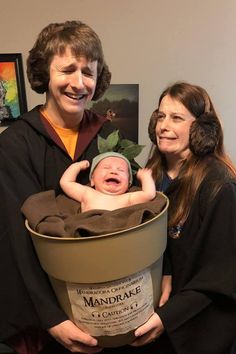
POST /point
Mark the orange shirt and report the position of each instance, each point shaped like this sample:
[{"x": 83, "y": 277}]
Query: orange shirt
[{"x": 69, "y": 137}]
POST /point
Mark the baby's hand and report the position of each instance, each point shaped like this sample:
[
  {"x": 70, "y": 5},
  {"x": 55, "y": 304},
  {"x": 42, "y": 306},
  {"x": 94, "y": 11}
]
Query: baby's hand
[
  {"x": 143, "y": 172},
  {"x": 84, "y": 164}
]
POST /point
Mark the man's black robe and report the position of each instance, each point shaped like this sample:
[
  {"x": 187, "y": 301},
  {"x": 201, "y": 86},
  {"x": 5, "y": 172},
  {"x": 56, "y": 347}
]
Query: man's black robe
[{"x": 32, "y": 159}]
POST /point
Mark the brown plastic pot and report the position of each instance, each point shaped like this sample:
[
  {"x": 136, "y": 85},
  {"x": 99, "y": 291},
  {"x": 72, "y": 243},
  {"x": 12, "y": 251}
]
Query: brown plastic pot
[{"x": 104, "y": 258}]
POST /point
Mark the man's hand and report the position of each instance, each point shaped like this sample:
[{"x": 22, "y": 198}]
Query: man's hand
[{"x": 72, "y": 338}]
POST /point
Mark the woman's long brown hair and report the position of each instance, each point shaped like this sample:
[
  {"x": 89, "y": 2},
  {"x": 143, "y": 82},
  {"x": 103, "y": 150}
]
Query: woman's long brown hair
[{"x": 195, "y": 167}]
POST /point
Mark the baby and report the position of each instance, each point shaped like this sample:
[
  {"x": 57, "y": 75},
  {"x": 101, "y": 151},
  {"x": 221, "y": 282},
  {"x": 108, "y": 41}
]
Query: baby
[{"x": 111, "y": 177}]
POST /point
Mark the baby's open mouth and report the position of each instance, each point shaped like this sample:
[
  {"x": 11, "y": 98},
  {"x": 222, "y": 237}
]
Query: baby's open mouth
[{"x": 112, "y": 180}]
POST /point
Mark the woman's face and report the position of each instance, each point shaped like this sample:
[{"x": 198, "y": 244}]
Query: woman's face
[
  {"x": 172, "y": 128},
  {"x": 72, "y": 84}
]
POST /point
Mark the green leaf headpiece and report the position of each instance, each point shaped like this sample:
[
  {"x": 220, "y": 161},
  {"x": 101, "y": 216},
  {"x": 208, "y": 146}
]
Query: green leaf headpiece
[{"x": 125, "y": 147}]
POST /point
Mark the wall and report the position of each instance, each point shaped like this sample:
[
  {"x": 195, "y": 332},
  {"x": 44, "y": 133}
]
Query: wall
[{"x": 149, "y": 42}]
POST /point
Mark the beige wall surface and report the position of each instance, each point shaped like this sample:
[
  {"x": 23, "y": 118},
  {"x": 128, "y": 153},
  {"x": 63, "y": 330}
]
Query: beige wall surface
[{"x": 147, "y": 42}]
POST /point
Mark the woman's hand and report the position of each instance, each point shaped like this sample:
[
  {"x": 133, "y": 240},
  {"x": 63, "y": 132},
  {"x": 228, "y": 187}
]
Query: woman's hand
[
  {"x": 149, "y": 331},
  {"x": 72, "y": 338},
  {"x": 165, "y": 289}
]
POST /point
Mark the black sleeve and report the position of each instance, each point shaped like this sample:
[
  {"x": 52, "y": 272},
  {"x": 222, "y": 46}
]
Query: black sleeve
[
  {"x": 27, "y": 298},
  {"x": 210, "y": 281},
  {"x": 166, "y": 263},
  {"x": 29, "y": 163}
]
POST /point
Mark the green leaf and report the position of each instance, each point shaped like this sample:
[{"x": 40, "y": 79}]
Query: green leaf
[
  {"x": 125, "y": 142},
  {"x": 102, "y": 145},
  {"x": 126, "y": 147},
  {"x": 112, "y": 140},
  {"x": 132, "y": 151}
]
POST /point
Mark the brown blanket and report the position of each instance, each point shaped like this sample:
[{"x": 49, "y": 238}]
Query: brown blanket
[{"x": 60, "y": 216}]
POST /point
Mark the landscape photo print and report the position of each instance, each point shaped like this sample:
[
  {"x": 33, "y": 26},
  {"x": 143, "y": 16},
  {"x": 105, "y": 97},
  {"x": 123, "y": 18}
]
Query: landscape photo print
[{"x": 120, "y": 105}]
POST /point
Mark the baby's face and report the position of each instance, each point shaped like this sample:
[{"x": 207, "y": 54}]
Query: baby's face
[{"x": 111, "y": 176}]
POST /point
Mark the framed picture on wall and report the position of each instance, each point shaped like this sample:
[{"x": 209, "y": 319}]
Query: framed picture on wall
[
  {"x": 12, "y": 88},
  {"x": 120, "y": 104}
]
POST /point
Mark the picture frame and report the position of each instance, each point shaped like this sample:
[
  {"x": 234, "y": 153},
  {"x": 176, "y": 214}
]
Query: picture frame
[
  {"x": 13, "y": 101},
  {"x": 120, "y": 103}
]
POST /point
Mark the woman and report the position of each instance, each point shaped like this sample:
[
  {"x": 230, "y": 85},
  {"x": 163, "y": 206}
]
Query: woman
[
  {"x": 66, "y": 63},
  {"x": 189, "y": 163}
]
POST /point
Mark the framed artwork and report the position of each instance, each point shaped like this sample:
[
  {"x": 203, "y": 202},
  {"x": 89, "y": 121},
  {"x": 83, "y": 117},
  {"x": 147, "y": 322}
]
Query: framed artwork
[
  {"x": 120, "y": 104},
  {"x": 12, "y": 88}
]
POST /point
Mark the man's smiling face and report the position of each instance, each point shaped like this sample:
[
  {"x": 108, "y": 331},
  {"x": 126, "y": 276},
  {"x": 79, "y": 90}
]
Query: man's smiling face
[{"x": 72, "y": 84}]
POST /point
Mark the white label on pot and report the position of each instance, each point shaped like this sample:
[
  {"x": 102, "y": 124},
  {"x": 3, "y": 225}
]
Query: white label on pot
[{"x": 112, "y": 308}]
